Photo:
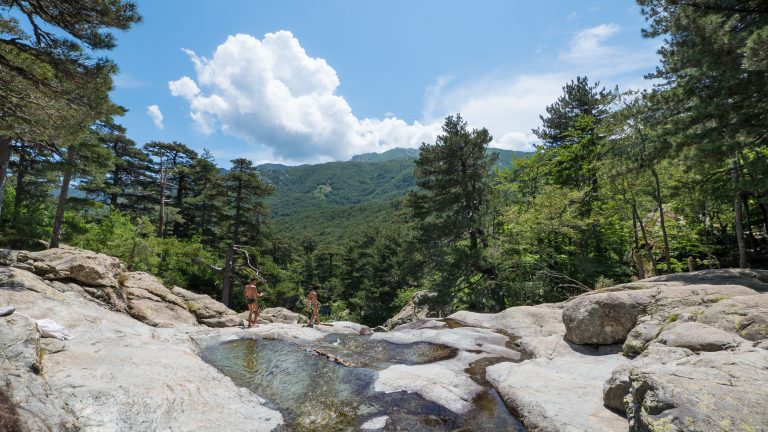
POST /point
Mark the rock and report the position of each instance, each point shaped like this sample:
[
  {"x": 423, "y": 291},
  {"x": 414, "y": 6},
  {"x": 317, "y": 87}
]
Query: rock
[
  {"x": 418, "y": 324},
  {"x": 20, "y": 343},
  {"x": 150, "y": 302},
  {"x": 711, "y": 391},
  {"x": 375, "y": 423},
  {"x": 89, "y": 268},
  {"x": 344, "y": 327},
  {"x": 607, "y": 316},
  {"x": 7, "y": 310},
  {"x": 201, "y": 305},
  {"x": 742, "y": 316},
  {"x": 477, "y": 340},
  {"x": 119, "y": 374},
  {"x": 563, "y": 393},
  {"x": 443, "y": 382},
  {"x": 98, "y": 273},
  {"x": 289, "y": 332},
  {"x": 415, "y": 309},
  {"x": 224, "y": 321},
  {"x": 698, "y": 337},
  {"x": 519, "y": 321},
  {"x": 281, "y": 315},
  {"x": 617, "y": 388},
  {"x": 37, "y": 408}
]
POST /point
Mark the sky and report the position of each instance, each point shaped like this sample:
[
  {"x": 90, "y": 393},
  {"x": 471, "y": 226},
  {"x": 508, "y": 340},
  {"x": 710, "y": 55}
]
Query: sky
[{"x": 309, "y": 81}]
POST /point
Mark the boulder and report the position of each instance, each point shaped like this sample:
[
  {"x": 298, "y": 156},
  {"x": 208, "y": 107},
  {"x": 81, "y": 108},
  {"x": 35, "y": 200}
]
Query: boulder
[
  {"x": 89, "y": 268},
  {"x": 97, "y": 273},
  {"x": 281, "y": 315},
  {"x": 711, "y": 391},
  {"x": 201, "y": 305},
  {"x": 605, "y": 318},
  {"x": 223, "y": 321},
  {"x": 414, "y": 310},
  {"x": 150, "y": 302}
]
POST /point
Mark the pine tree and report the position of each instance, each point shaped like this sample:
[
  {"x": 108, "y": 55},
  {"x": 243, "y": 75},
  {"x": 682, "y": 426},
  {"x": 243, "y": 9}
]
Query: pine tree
[{"x": 242, "y": 193}]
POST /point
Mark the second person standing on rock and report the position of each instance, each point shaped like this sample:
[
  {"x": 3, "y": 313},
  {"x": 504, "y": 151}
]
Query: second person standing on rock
[{"x": 313, "y": 304}]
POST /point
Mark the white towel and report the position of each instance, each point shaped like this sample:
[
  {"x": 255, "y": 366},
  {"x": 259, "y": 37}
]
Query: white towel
[{"x": 51, "y": 329}]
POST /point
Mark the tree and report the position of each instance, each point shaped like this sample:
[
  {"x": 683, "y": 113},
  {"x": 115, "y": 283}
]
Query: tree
[
  {"x": 241, "y": 193},
  {"x": 170, "y": 165},
  {"x": 43, "y": 70},
  {"x": 122, "y": 187},
  {"x": 450, "y": 207},
  {"x": 86, "y": 157},
  {"x": 713, "y": 78}
]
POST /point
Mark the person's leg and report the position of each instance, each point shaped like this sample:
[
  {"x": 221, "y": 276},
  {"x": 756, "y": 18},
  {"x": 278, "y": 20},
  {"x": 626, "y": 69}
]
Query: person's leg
[
  {"x": 250, "y": 315},
  {"x": 255, "y": 313}
]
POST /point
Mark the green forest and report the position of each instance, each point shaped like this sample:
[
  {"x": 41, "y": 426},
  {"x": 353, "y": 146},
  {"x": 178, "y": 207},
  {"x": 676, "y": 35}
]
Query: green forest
[{"x": 623, "y": 185}]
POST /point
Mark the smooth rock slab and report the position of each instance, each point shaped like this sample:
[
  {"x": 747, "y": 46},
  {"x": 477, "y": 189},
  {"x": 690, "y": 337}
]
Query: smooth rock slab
[
  {"x": 462, "y": 338},
  {"x": 443, "y": 382},
  {"x": 562, "y": 394},
  {"x": 518, "y": 321}
]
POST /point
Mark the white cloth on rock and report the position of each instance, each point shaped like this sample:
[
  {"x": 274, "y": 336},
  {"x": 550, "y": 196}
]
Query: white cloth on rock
[{"x": 51, "y": 329}]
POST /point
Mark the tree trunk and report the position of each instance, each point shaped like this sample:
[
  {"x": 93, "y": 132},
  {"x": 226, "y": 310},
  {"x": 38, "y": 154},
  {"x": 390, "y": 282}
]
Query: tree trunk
[
  {"x": 764, "y": 211},
  {"x": 737, "y": 207},
  {"x": 229, "y": 265},
  {"x": 177, "y": 225},
  {"x": 5, "y": 159},
  {"x": 226, "y": 283},
  {"x": 21, "y": 173},
  {"x": 63, "y": 193},
  {"x": 161, "y": 224},
  {"x": 645, "y": 240},
  {"x": 636, "y": 249},
  {"x": 661, "y": 218}
]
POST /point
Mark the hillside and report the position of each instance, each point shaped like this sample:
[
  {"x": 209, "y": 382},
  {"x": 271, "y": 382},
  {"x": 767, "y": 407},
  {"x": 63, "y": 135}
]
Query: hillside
[{"x": 334, "y": 200}]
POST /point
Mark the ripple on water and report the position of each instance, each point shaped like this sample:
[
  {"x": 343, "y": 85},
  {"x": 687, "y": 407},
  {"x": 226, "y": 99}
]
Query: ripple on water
[{"x": 316, "y": 394}]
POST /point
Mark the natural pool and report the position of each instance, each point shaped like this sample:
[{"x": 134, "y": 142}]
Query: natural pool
[{"x": 316, "y": 393}]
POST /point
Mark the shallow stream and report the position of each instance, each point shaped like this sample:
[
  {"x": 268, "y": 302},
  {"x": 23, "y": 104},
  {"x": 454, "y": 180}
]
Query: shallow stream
[{"x": 328, "y": 385}]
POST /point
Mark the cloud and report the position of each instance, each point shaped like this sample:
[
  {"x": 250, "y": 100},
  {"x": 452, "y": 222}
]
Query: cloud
[
  {"x": 154, "y": 112},
  {"x": 272, "y": 94},
  {"x": 587, "y": 44},
  {"x": 509, "y": 104}
]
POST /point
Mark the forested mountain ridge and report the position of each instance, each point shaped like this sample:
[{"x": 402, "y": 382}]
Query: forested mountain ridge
[{"x": 334, "y": 200}]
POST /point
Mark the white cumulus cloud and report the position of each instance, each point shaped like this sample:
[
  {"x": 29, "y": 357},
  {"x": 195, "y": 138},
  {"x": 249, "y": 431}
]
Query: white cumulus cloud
[
  {"x": 272, "y": 94},
  {"x": 153, "y": 111}
]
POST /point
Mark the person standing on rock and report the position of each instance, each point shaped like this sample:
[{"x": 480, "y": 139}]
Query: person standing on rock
[
  {"x": 251, "y": 294},
  {"x": 313, "y": 304}
]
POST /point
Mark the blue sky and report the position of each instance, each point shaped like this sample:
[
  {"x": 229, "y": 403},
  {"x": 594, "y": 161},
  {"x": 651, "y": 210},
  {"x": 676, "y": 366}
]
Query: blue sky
[{"x": 295, "y": 81}]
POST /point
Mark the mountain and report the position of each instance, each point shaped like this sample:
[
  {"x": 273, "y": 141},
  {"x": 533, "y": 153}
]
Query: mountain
[
  {"x": 395, "y": 153},
  {"x": 333, "y": 201}
]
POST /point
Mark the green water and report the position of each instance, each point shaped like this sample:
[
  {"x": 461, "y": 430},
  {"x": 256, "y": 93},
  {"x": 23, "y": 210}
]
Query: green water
[{"x": 317, "y": 394}]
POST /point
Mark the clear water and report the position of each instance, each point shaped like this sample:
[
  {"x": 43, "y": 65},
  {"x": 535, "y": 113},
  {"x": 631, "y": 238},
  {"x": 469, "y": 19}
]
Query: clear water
[{"x": 316, "y": 393}]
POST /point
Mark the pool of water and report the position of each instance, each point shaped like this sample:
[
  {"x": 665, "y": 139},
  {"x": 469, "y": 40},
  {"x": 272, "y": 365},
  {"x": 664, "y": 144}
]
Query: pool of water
[{"x": 328, "y": 385}]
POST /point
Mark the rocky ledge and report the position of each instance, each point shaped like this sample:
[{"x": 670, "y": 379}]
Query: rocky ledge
[{"x": 674, "y": 353}]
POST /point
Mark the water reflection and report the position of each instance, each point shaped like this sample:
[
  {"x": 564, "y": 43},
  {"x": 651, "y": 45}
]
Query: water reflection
[{"x": 315, "y": 393}]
